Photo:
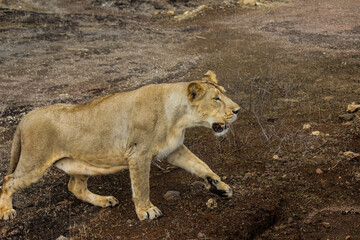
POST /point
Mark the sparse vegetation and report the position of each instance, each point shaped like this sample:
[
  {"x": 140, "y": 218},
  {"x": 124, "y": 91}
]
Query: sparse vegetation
[{"x": 287, "y": 63}]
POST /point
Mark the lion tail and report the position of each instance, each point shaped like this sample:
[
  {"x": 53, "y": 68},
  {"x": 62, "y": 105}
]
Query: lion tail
[{"x": 15, "y": 151}]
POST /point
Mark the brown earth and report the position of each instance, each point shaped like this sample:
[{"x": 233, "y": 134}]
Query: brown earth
[{"x": 287, "y": 63}]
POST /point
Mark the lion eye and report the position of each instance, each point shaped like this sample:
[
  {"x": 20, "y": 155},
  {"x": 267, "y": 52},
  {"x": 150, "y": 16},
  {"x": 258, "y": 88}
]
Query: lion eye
[{"x": 216, "y": 98}]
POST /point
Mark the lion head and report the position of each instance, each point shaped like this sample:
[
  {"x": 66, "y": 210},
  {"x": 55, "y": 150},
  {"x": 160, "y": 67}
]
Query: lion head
[{"x": 211, "y": 107}]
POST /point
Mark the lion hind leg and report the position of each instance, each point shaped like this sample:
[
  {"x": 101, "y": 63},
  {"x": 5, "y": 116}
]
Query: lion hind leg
[{"x": 78, "y": 186}]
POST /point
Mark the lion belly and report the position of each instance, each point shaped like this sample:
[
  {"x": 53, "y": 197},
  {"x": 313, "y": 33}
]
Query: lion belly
[{"x": 74, "y": 167}]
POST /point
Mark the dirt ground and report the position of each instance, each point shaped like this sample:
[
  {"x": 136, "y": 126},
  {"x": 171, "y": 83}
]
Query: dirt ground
[{"x": 287, "y": 63}]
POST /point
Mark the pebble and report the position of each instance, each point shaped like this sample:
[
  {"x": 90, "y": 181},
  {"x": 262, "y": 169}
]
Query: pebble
[
  {"x": 248, "y": 175},
  {"x": 347, "y": 117},
  {"x": 211, "y": 203},
  {"x": 306, "y": 126},
  {"x": 347, "y": 124},
  {"x": 170, "y": 13},
  {"x": 357, "y": 176},
  {"x": 319, "y": 171},
  {"x": 201, "y": 235},
  {"x": 172, "y": 195},
  {"x": 325, "y": 224},
  {"x": 315, "y": 133},
  {"x": 351, "y": 154},
  {"x": 353, "y": 107},
  {"x": 276, "y": 157},
  {"x": 62, "y": 238},
  {"x": 249, "y": 2}
]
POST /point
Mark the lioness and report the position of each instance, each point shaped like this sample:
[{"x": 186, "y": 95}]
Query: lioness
[{"x": 115, "y": 132}]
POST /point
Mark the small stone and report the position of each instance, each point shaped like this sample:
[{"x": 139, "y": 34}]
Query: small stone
[
  {"x": 351, "y": 154},
  {"x": 172, "y": 195},
  {"x": 258, "y": 4},
  {"x": 315, "y": 133},
  {"x": 325, "y": 224},
  {"x": 211, "y": 203},
  {"x": 62, "y": 238},
  {"x": 248, "y": 175},
  {"x": 353, "y": 107},
  {"x": 347, "y": 124},
  {"x": 347, "y": 116},
  {"x": 319, "y": 171},
  {"x": 201, "y": 235},
  {"x": 276, "y": 157},
  {"x": 306, "y": 126},
  {"x": 249, "y": 2},
  {"x": 170, "y": 13}
]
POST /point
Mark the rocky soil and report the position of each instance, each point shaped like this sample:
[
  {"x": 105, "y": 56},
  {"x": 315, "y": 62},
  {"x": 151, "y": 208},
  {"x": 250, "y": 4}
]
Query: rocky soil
[{"x": 292, "y": 158}]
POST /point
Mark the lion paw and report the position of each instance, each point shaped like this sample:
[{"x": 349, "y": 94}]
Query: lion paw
[
  {"x": 220, "y": 188},
  {"x": 151, "y": 213},
  {"x": 108, "y": 201},
  {"x": 7, "y": 214}
]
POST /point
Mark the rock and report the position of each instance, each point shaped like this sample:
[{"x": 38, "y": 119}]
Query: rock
[
  {"x": 325, "y": 224},
  {"x": 357, "y": 176},
  {"x": 319, "y": 171},
  {"x": 193, "y": 13},
  {"x": 308, "y": 221},
  {"x": 258, "y": 4},
  {"x": 211, "y": 203},
  {"x": 248, "y": 175},
  {"x": 315, "y": 133},
  {"x": 353, "y": 107},
  {"x": 201, "y": 235},
  {"x": 347, "y": 123},
  {"x": 351, "y": 154},
  {"x": 248, "y": 2},
  {"x": 62, "y": 238},
  {"x": 170, "y": 13},
  {"x": 347, "y": 116},
  {"x": 172, "y": 195},
  {"x": 276, "y": 157},
  {"x": 306, "y": 126}
]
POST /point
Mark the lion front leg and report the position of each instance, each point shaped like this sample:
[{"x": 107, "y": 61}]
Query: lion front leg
[
  {"x": 184, "y": 158},
  {"x": 140, "y": 184}
]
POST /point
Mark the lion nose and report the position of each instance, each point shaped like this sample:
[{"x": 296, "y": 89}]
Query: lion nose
[{"x": 236, "y": 111}]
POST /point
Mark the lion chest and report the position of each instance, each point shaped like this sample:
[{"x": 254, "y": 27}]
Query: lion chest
[{"x": 172, "y": 142}]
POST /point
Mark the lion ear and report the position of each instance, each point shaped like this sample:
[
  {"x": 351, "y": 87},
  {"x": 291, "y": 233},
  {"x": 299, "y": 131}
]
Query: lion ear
[
  {"x": 210, "y": 76},
  {"x": 195, "y": 91}
]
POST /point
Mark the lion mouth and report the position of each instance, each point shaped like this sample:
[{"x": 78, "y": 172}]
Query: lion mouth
[{"x": 219, "y": 127}]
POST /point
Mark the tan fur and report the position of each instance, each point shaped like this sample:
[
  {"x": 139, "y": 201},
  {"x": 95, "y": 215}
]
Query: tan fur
[{"x": 125, "y": 130}]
